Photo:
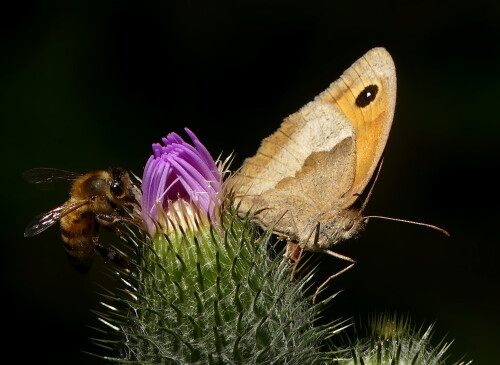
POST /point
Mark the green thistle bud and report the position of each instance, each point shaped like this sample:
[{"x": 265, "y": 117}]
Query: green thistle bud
[
  {"x": 208, "y": 291},
  {"x": 392, "y": 340}
]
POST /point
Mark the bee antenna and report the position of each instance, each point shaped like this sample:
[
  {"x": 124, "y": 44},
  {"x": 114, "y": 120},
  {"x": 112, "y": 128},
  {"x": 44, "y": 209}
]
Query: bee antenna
[{"x": 411, "y": 222}]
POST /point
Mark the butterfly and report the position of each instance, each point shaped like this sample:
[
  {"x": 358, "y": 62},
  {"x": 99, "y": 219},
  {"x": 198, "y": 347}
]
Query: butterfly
[{"x": 310, "y": 180}]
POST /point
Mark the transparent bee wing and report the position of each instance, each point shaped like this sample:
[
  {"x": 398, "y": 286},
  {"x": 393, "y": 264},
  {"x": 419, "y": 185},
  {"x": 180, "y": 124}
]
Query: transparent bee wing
[
  {"x": 42, "y": 175},
  {"x": 43, "y": 221}
]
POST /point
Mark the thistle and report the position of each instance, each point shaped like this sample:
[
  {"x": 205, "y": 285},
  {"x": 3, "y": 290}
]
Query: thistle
[
  {"x": 204, "y": 288},
  {"x": 182, "y": 186},
  {"x": 391, "y": 339},
  {"x": 207, "y": 288}
]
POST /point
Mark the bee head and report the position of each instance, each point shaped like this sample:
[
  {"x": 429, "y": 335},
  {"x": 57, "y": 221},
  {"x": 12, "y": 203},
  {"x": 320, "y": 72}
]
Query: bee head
[{"x": 120, "y": 186}]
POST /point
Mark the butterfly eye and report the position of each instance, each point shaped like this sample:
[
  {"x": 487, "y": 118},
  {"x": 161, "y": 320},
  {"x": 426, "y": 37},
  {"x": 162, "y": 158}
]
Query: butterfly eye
[{"x": 366, "y": 96}]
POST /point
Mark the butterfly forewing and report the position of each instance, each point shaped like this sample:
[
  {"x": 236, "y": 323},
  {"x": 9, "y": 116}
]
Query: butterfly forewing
[
  {"x": 366, "y": 94},
  {"x": 308, "y": 178}
]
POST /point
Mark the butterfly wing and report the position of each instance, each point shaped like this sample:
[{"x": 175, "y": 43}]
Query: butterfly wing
[
  {"x": 366, "y": 94},
  {"x": 301, "y": 170},
  {"x": 311, "y": 177}
]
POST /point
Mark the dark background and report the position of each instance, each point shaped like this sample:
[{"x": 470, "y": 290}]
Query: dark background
[{"x": 91, "y": 86}]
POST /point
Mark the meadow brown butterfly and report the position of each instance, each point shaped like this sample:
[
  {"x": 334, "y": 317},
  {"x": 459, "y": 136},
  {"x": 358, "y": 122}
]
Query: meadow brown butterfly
[{"x": 312, "y": 178}]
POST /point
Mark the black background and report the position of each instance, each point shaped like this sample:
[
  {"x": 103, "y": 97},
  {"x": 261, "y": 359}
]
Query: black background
[{"x": 84, "y": 87}]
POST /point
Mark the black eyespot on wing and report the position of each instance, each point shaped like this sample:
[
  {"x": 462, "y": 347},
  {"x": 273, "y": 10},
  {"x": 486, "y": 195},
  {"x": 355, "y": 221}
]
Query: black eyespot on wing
[{"x": 366, "y": 96}]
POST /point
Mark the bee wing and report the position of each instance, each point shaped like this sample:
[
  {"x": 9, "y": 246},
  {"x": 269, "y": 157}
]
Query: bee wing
[
  {"x": 42, "y": 175},
  {"x": 43, "y": 221}
]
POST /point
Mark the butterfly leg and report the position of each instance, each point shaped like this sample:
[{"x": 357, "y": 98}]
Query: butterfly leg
[
  {"x": 295, "y": 251},
  {"x": 293, "y": 254},
  {"x": 339, "y": 256}
]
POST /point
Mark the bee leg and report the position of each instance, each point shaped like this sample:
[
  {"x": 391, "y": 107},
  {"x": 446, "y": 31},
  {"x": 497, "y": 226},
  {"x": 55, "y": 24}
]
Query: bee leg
[
  {"x": 112, "y": 255},
  {"x": 110, "y": 219}
]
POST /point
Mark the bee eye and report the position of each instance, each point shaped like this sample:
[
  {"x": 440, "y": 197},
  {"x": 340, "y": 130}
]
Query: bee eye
[{"x": 116, "y": 189}]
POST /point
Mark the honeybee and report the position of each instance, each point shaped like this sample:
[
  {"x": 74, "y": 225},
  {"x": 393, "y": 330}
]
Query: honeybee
[{"x": 96, "y": 198}]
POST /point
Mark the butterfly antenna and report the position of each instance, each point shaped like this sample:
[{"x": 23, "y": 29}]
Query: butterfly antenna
[{"x": 411, "y": 222}]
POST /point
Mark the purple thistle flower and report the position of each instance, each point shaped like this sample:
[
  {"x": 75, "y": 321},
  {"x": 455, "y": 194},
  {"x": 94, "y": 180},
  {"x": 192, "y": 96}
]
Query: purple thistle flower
[{"x": 181, "y": 183}]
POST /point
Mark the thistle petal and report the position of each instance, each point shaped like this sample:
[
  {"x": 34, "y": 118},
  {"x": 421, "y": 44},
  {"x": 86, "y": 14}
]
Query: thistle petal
[{"x": 179, "y": 171}]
